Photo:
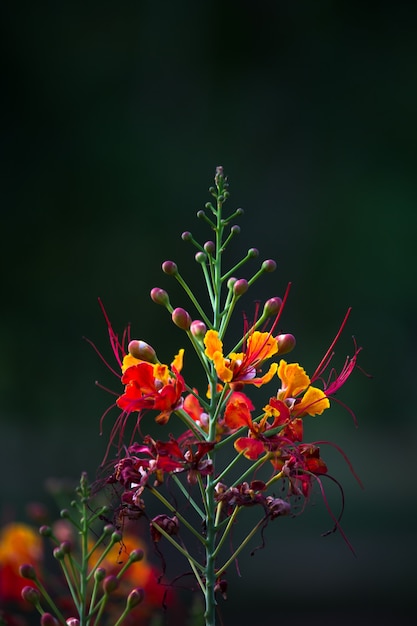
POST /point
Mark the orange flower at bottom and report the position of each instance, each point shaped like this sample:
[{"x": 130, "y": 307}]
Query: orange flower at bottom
[
  {"x": 138, "y": 574},
  {"x": 19, "y": 544}
]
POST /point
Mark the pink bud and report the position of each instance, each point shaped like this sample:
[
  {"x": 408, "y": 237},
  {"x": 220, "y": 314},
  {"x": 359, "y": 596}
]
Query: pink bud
[
  {"x": 110, "y": 584},
  {"x": 240, "y": 287},
  {"x": 48, "y": 619},
  {"x": 272, "y": 306},
  {"x": 135, "y": 597},
  {"x": 142, "y": 350},
  {"x": 170, "y": 268},
  {"x": 160, "y": 296},
  {"x": 31, "y": 595},
  {"x": 286, "y": 343},
  {"x": 198, "y": 329},
  {"x": 269, "y": 265},
  {"x": 27, "y": 571},
  {"x": 181, "y": 318}
]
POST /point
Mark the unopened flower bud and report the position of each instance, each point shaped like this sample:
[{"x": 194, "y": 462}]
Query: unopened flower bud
[
  {"x": 110, "y": 584},
  {"x": 201, "y": 257},
  {"x": 136, "y": 555},
  {"x": 210, "y": 247},
  {"x": 45, "y": 531},
  {"x": 231, "y": 282},
  {"x": 286, "y": 343},
  {"x": 99, "y": 574},
  {"x": 235, "y": 229},
  {"x": 240, "y": 287},
  {"x": 269, "y": 265},
  {"x": 160, "y": 296},
  {"x": 186, "y": 236},
  {"x": 48, "y": 619},
  {"x": 170, "y": 268},
  {"x": 108, "y": 529},
  {"x": 253, "y": 253},
  {"x": 198, "y": 329},
  {"x": 31, "y": 595},
  {"x": 134, "y": 598},
  {"x": 116, "y": 537},
  {"x": 272, "y": 306},
  {"x": 73, "y": 621},
  {"x": 142, "y": 350},
  {"x": 65, "y": 546},
  {"x": 27, "y": 571},
  {"x": 58, "y": 553},
  {"x": 181, "y": 318}
]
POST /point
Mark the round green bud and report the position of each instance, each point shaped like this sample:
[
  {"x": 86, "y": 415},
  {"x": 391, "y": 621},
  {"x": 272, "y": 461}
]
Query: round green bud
[
  {"x": 31, "y": 595},
  {"x": 64, "y": 513},
  {"x": 201, "y": 214},
  {"x": 108, "y": 529},
  {"x": 135, "y": 597},
  {"x": 160, "y": 296},
  {"x": 136, "y": 555},
  {"x": 235, "y": 229},
  {"x": 99, "y": 574},
  {"x": 27, "y": 571},
  {"x": 110, "y": 584},
  {"x": 210, "y": 247},
  {"x": 58, "y": 553},
  {"x": 45, "y": 531},
  {"x": 269, "y": 265},
  {"x": 231, "y": 282},
  {"x": 181, "y": 318},
  {"x": 272, "y": 306},
  {"x": 116, "y": 537},
  {"x": 240, "y": 287},
  {"x": 253, "y": 253},
  {"x": 200, "y": 257},
  {"x": 170, "y": 268},
  {"x": 186, "y": 236},
  {"x": 142, "y": 350}
]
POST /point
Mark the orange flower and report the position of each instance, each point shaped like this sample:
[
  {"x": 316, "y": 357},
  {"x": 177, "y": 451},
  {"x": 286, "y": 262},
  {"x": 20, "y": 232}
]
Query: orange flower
[
  {"x": 19, "y": 544},
  {"x": 242, "y": 366},
  {"x": 295, "y": 382}
]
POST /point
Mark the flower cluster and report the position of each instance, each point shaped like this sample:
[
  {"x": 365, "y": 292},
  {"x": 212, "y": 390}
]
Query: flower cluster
[{"x": 230, "y": 455}]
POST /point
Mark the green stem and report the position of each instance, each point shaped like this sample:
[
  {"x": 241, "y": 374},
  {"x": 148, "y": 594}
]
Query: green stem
[
  {"x": 240, "y": 548},
  {"x": 182, "y": 519},
  {"x": 178, "y": 546}
]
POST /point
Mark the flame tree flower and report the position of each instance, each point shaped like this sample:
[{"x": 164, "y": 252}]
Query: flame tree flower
[{"x": 202, "y": 493}]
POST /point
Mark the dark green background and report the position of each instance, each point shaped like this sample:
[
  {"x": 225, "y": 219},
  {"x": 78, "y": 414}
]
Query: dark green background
[{"x": 114, "y": 118}]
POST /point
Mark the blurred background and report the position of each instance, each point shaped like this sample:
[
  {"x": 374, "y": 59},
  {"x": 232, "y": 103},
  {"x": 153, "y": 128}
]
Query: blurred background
[{"x": 115, "y": 116}]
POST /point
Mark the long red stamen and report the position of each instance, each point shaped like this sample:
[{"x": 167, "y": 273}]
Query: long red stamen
[{"x": 325, "y": 360}]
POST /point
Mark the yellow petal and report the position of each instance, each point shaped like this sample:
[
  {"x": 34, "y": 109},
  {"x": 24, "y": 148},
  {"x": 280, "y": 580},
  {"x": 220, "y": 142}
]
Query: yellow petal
[
  {"x": 262, "y": 345},
  {"x": 128, "y": 361},
  {"x": 314, "y": 402},
  {"x": 294, "y": 379},
  {"x": 213, "y": 343},
  {"x": 178, "y": 360}
]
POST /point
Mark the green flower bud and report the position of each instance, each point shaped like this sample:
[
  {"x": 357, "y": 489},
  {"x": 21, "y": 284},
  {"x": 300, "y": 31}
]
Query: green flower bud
[
  {"x": 272, "y": 306},
  {"x": 31, "y": 595},
  {"x": 99, "y": 574},
  {"x": 235, "y": 229},
  {"x": 160, "y": 296},
  {"x": 170, "y": 268},
  {"x": 186, "y": 236},
  {"x": 136, "y": 555},
  {"x": 142, "y": 350},
  {"x": 269, "y": 265},
  {"x": 181, "y": 318},
  {"x": 27, "y": 571},
  {"x": 200, "y": 257},
  {"x": 45, "y": 531},
  {"x": 110, "y": 584},
  {"x": 253, "y": 253},
  {"x": 134, "y": 598},
  {"x": 240, "y": 287},
  {"x": 210, "y": 247}
]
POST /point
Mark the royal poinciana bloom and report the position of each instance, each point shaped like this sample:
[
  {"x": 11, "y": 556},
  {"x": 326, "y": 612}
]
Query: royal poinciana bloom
[{"x": 235, "y": 447}]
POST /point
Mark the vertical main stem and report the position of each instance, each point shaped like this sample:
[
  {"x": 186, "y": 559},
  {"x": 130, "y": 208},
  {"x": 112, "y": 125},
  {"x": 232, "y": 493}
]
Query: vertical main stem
[{"x": 210, "y": 615}]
